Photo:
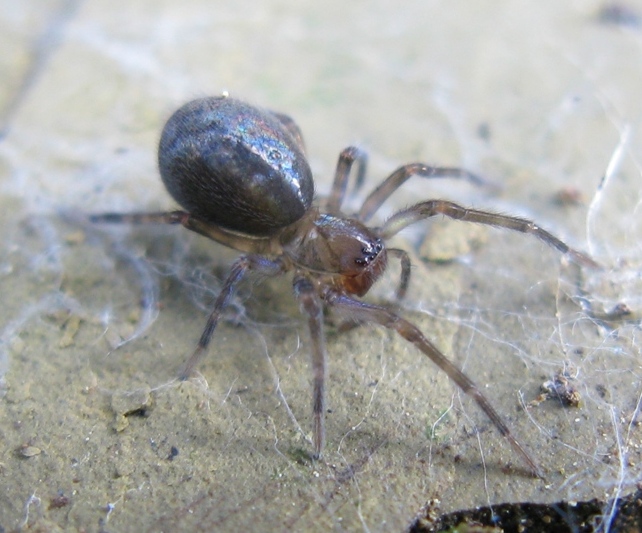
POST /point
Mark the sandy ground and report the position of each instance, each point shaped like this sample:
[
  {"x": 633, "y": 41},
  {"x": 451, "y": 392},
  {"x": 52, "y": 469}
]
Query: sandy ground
[{"x": 96, "y": 433}]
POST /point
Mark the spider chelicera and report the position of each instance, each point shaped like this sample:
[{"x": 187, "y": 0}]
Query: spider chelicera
[{"x": 242, "y": 177}]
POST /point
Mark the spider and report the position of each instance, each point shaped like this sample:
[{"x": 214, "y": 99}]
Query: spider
[{"x": 241, "y": 175}]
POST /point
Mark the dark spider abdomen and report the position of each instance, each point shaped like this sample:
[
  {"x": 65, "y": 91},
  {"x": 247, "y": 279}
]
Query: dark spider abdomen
[{"x": 236, "y": 166}]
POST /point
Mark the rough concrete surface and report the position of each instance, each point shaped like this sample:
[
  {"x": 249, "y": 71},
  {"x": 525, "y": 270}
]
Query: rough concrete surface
[{"x": 95, "y": 431}]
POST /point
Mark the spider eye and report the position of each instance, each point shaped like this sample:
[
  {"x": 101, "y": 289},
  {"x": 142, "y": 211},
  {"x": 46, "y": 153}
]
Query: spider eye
[{"x": 369, "y": 253}]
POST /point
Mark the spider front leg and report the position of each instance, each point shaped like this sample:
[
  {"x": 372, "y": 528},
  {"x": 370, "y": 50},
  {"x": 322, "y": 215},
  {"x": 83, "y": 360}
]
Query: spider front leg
[
  {"x": 379, "y": 315},
  {"x": 257, "y": 245},
  {"x": 239, "y": 269},
  {"x": 430, "y": 208},
  {"x": 348, "y": 157},
  {"x": 404, "y": 278},
  {"x": 311, "y": 306},
  {"x": 250, "y": 262},
  {"x": 377, "y": 197}
]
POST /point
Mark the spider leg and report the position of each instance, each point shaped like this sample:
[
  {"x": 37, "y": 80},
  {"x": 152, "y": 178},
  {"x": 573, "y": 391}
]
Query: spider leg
[
  {"x": 311, "y": 306},
  {"x": 239, "y": 269},
  {"x": 430, "y": 208},
  {"x": 241, "y": 266},
  {"x": 165, "y": 217},
  {"x": 258, "y": 245},
  {"x": 404, "y": 279},
  {"x": 347, "y": 158},
  {"x": 377, "y": 197},
  {"x": 384, "y": 317}
]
